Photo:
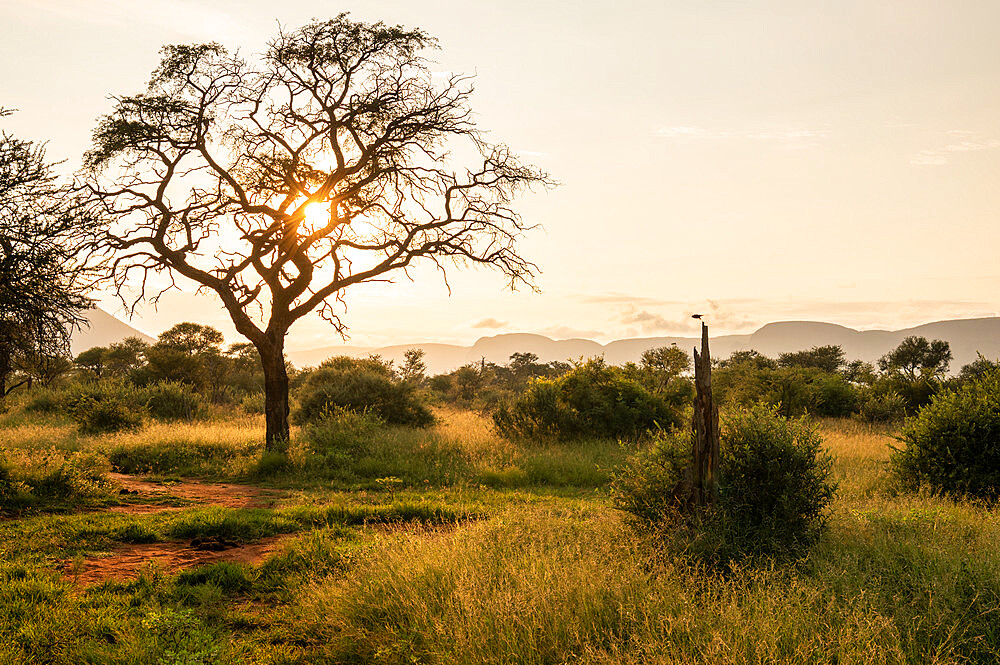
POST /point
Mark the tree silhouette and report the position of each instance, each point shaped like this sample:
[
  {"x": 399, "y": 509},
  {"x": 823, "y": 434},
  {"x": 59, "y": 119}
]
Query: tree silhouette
[
  {"x": 43, "y": 266},
  {"x": 284, "y": 182}
]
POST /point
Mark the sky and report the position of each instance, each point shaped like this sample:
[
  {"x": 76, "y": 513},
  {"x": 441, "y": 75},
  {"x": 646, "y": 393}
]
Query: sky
[{"x": 753, "y": 161}]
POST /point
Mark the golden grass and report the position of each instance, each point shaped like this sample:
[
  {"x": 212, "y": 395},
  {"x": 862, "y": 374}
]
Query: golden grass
[
  {"x": 240, "y": 432},
  {"x": 538, "y": 585},
  {"x": 897, "y": 578}
]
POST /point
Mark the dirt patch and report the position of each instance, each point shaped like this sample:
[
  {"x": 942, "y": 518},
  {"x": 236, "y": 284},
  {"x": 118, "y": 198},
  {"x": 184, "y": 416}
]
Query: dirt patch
[
  {"x": 188, "y": 491},
  {"x": 129, "y": 561}
]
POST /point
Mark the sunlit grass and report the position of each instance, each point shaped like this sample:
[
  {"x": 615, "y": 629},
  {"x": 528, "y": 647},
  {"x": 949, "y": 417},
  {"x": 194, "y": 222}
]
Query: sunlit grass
[{"x": 489, "y": 551}]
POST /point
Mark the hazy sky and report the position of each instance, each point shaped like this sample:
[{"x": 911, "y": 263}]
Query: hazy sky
[{"x": 757, "y": 161}]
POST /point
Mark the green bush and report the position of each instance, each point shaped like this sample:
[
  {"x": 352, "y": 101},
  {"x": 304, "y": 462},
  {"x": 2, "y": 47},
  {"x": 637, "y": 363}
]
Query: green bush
[
  {"x": 104, "y": 406},
  {"x": 44, "y": 400},
  {"x": 645, "y": 486},
  {"x": 343, "y": 430},
  {"x": 794, "y": 390},
  {"x": 591, "y": 400},
  {"x": 914, "y": 393},
  {"x": 175, "y": 457},
  {"x": 953, "y": 444},
  {"x": 361, "y": 385},
  {"x": 882, "y": 408},
  {"x": 171, "y": 400},
  {"x": 102, "y": 416},
  {"x": 69, "y": 481},
  {"x": 83, "y": 475},
  {"x": 774, "y": 489},
  {"x": 253, "y": 402},
  {"x": 13, "y": 493}
]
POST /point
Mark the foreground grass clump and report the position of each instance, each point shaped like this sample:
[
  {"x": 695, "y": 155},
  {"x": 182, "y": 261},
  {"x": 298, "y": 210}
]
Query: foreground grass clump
[
  {"x": 774, "y": 489},
  {"x": 953, "y": 444},
  {"x": 54, "y": 481},
  {"x": 535, "y": 585}
]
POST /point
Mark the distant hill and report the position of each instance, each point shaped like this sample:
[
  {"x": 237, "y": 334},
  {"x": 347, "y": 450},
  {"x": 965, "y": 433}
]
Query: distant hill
[
  {"x": 103, "y": 329},
  {"x": 966, "y": 336}
]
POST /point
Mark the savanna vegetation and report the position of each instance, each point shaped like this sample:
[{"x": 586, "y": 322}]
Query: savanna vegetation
[
  {"x": 184, "y": 501},
  {"x": 408, "y": 521}
]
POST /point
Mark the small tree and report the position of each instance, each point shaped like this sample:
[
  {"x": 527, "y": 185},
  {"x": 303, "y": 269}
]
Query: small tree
[
  {"x": 187, "y": 353},
  {"x": 917, "y": 358},
  {"x": 42, "y": 267},
  {"x": 414, "y": 369},
  {"x": 319, "y": 167},
  {"x": 828, "y": 358},
  {"x": 92, "y": 360},
  {"x": 122, "y": 359}
]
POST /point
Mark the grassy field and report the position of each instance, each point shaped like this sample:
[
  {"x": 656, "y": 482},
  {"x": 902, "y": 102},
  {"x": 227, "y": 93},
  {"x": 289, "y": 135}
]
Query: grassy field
[{"x": 451, "y": 545}]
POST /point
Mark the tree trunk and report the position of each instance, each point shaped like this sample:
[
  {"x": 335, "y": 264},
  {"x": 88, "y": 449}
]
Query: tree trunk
[
  {"x": 4, "y": 366},
  {"x": 705, "y": 455},
  {"x": 272, "y": 359}
]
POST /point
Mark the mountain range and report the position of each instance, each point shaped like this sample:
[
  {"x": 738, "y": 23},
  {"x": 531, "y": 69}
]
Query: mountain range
[{"x": 967, "y": 337}]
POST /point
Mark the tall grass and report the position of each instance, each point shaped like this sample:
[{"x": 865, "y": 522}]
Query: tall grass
[
  {"x": 463, "y": 569},
  {"x": 543, "y": 586}
]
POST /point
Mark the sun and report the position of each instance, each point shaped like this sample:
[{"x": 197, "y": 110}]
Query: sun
[
  {"x": 317, "y": 214},
  {"x": 360, "y": 227}
]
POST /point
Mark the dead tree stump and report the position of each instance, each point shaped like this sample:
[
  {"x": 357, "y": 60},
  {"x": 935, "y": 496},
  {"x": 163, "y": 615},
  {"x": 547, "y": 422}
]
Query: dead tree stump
[{"x": 704, "y": 472}]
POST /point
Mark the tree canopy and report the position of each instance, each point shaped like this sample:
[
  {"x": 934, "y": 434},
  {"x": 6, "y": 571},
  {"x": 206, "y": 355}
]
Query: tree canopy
[
  {"x": 43, "y": 269},
  {"x": 279, "y": 183},
  {"x": 916, "y": 358}
]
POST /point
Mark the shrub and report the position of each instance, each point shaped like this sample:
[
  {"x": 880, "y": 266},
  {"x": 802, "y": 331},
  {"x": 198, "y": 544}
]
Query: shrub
[
  {"x": 180, "y": 456},
  {"x": 361, "y": 385},
  {"x": 44, "y": 400},
  {"x": 882, "y": 408},
  {"x": 592, "y": 399},
  {"x": 253, "y": 402},
  {"x": 645, "y": 485},
  {"x": 794, "y": 390},
  {"x": 63, "y": 481},
  {"x": 100, "y": 416},
  {"x": 81, "y": 476},
  {"x": 171, "y": 400},
  {"x": 835, "y": 396},
  {"x": 773, "y": 489},
  {"x": 342, "y": 430},
  {"x": 13, "y": 494},
  {"x": 953, "y": 444}
]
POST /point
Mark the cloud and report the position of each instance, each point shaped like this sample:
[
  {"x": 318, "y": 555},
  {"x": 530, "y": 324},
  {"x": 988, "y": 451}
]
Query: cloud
[
  {"x": 724, "y": 318},
  {"x": 491, "y": 323},
  {"x": 615, "y": 298},
  {"x": 715, "y": 314},
  {"x": 962, "y": 141},
  {"x": 788, "y": 136},
  {"x": 650, "y": 322}
]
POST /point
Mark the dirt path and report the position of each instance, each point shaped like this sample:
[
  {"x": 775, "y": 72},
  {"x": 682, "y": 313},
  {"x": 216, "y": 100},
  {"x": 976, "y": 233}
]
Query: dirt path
[
  {"x": 213, "y": 494},
  {"x": 129, "y": 561}
]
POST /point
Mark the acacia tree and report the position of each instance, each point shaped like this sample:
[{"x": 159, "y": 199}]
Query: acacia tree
[
  {"x": 917, "y": 358},
  {"x": 43, "y": 269},
  {"x": 282, "y": 182}
]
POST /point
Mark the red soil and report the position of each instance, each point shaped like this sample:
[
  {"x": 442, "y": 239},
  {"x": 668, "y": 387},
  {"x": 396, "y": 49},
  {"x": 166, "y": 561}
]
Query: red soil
[
  {"x": 128, "y": 561},
  {"x": 214, "y": 494}
]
